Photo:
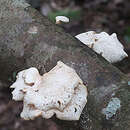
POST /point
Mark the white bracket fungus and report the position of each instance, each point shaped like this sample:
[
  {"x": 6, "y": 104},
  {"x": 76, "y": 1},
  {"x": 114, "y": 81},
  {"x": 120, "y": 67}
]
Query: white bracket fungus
[
  {"x": 60, "y": 19},
  {"x": 107, "y": 45},
  {"x": 60, "y": 92}
]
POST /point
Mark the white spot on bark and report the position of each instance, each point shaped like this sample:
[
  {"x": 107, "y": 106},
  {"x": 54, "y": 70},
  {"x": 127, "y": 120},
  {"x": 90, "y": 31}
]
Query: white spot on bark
[
  {"x": 20, "y": 3},
  {"x": 33, "y": 30}
]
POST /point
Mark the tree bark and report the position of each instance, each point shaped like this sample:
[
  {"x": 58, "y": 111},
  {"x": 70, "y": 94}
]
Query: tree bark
[{"x": 21, "y": 49}]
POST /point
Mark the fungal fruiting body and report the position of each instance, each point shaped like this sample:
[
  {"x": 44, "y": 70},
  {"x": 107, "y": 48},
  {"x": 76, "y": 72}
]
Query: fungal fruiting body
[
  {"x": 60, "y": 92},
  {"x": 107, "y": 45},
  {"x": 60, "y": 19}
]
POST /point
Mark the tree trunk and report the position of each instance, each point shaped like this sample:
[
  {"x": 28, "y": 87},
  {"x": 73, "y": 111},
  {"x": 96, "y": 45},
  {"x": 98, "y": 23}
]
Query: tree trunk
[{"x": 108, "y": 104}]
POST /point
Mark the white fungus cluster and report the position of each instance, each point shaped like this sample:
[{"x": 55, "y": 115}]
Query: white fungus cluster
[
  {"x": 60, "y": 92},
  {"x": 107, "y": 45}
]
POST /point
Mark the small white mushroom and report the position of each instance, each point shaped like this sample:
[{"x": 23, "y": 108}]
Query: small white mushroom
[
  {"x": 107, "y": 45},
  {"x": 60, "y": 92},
  {"x": 60, "y": 19}
]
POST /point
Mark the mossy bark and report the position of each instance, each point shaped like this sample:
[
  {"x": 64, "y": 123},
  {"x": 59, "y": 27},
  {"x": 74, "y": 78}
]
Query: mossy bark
[{"x": 20, "y": 49}]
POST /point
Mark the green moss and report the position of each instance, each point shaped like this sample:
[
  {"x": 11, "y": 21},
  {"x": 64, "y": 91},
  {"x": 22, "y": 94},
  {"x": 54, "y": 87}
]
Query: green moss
[{"x": 127, "y": 34}]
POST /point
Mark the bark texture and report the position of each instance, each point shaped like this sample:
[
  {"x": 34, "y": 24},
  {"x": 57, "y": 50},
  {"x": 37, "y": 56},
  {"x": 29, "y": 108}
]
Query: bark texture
[{"x": 108, "y": 104}]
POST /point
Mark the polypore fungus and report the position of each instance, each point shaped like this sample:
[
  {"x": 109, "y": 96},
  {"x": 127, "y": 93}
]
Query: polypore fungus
[
  {"x": 60, "y": 92},
  {"x": 60, "y": 19},
  {"x": 107, "y": 45}
]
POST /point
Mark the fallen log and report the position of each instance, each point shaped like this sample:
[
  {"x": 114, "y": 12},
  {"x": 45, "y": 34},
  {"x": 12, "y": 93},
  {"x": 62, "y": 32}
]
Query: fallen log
[{"x": 29, "y": 39}]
